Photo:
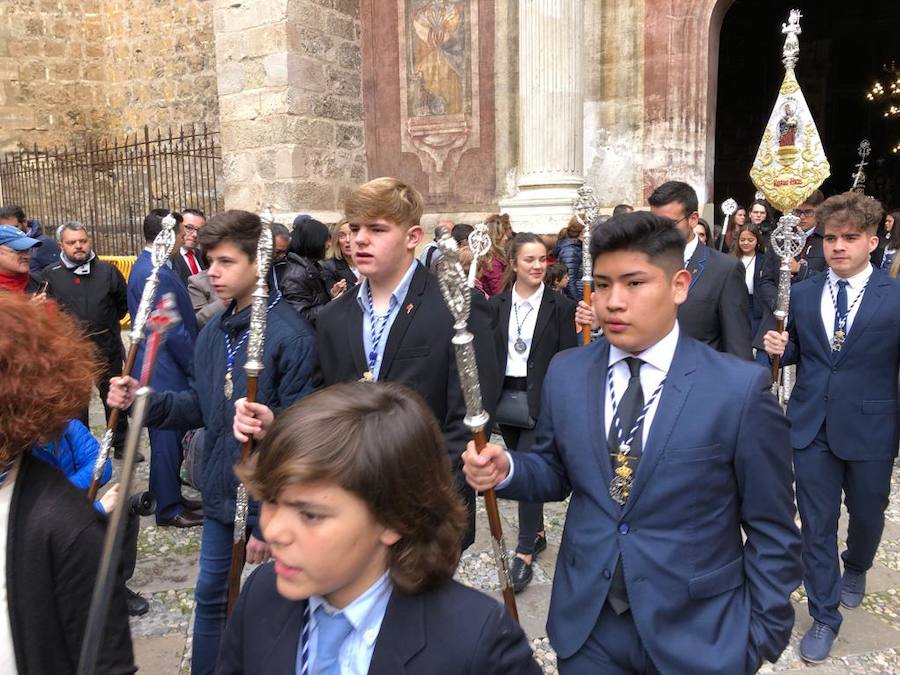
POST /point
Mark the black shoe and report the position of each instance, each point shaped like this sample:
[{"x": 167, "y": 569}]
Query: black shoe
[
  {"x": 540, "y": 544},
  {"x": 138, "y": 458},
  {"x": 137, "y": 603},
  {"x": 520, "y": 574},
  {"x": 183, "y": 519},
  {"x": 191, "y": 504}
]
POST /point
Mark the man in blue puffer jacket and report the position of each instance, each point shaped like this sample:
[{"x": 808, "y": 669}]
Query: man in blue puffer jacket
[{"x": 568, "y": 252}]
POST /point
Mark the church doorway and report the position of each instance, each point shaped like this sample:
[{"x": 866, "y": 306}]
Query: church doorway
[{"x": 845, "y": 48}]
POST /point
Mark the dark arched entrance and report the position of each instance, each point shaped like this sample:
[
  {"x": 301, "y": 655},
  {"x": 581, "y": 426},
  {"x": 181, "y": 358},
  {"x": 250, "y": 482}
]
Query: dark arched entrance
[{"x": 843, "y": 48}]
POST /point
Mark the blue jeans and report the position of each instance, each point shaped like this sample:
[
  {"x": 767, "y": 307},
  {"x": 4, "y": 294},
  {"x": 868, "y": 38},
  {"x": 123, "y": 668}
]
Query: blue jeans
[{"x": 211, "y": 595}]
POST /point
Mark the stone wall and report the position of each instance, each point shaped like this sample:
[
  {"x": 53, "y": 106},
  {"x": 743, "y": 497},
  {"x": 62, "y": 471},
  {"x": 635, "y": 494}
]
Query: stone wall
[
  {"x": 290, "y": 103},
  {"x": 51, "y": 73},
  {"x": 71, "y": 70}
]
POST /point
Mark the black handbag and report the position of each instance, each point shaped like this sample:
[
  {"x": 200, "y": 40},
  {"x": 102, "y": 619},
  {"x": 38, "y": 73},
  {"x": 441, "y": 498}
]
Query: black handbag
[{"x": 513, "y": 411}]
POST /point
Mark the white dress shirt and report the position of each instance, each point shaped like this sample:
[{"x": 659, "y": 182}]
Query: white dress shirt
[
  {"x": 527, "y": 308},
  {"x": 855, "y": 286},
  {"x": 748, "y": 261},
  {"x": 7, "y": 652},
  {"x": 689, "y": 249},
  {"x": 657, "y": 361}
]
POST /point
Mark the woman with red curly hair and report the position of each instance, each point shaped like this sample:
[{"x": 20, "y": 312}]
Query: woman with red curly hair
[{"x": 51, "y": 534}]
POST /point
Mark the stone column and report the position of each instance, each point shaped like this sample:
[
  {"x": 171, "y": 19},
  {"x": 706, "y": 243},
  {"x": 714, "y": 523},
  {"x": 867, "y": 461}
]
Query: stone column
[{"x": 551, "y": 114}]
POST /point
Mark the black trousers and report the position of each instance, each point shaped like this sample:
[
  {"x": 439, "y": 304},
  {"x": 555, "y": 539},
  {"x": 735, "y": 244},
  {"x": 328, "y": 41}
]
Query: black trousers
[
  {"x": 112, "y": 367},
  {"x": 531, "y": 514}
]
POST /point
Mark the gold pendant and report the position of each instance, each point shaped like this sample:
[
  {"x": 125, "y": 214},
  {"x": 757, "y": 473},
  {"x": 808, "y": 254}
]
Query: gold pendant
[
  {"x": 367, "y": 377},
  {"x": 838, "y": 340},
  {"x": 229, "y": 386}
]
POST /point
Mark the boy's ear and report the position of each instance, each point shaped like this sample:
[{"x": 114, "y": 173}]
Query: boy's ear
[
  {"x": 390, "y": 537},
  {"x": 414, "y": 235}
]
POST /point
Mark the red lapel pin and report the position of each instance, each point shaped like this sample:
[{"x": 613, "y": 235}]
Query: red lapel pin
[{"x": 409, "y": 308}]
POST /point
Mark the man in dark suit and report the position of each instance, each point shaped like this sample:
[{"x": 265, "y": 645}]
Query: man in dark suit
[
  {"x": 395, "y": 327},
  {"x": 715, "y": 311},
  {"x": 680, "y": 550},
  {"x": 844, "y": 336},
  {"x": 172, "y": 373},
  {"x": 187, "y": 261},
  {"x": 807, "y": 264}
]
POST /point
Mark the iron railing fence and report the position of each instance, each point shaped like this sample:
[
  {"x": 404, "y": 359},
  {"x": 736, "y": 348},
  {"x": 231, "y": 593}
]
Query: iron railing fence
[{"x": 110, "y": 186}]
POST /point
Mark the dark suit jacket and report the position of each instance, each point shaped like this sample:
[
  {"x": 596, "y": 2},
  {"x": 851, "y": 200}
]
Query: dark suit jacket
[
  {"x": 715, "y": 311},
  {"x": 174, "y": 364},
  {"x": 451, "y": 630},
  {"x": 812, "y": 262},
  {"x": 856, "y": 389},
  {"x": 703, "y": 599},
  {"x": 417, "y": 353},
  {"x": 180, "y": 267},
  {"x": 554, "y": 331}
]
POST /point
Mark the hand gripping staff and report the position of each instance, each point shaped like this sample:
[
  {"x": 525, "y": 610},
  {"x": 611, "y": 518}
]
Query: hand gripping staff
[
  {"x": 586, "y": 211},
  {"x": 458, "y": 296},
  {"x": 253, "y": 368},
  {"x": 158, "y": 323},
  {"x": 162, "y": 249},
  {"x": 787, "y": 241}
]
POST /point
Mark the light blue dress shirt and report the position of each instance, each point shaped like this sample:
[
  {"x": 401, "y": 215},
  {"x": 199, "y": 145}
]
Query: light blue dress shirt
[
  {"x": 397, "y": 298},
  {"x": 365, "y": 614}
]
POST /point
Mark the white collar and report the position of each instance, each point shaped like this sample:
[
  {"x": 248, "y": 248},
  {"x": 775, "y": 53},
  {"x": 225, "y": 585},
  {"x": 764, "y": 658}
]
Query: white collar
[
  {"x": 659, "y": 356},
  {"x": 690, "y": 248},
  {"x": 856, "y": 281},
  {"x": 533, "y": 300}
]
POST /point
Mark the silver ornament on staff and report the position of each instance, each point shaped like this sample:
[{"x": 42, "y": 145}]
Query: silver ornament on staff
[
  {"x": 479, "y": 244},
  {"x": 859, "y": 178},
  {"x": 787, "y": 241},
  {"x": 253, "y": 367},
  {"x": 586, "y": 209},
  {"x": 729, "y": 208},
  {"x": 163, "y": 245},
  {"x": 458, "y": 297}
]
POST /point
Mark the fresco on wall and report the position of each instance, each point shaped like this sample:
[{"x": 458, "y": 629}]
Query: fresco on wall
[{"x": 439, "y": 65}]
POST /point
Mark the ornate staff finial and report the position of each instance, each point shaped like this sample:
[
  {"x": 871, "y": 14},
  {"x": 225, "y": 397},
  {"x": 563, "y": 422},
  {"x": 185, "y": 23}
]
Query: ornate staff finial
[
  {"x": 859, "y": 178},
  {"x": 791, "y": 29},
  {"x": 163, "y": 245},
  {"x": 479, "y": 243}
]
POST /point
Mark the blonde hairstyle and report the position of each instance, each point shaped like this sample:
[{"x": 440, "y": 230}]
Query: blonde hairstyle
[
  {"x": 385, "y": 198},
  {"x": 335, "y": 251},
  {"x": 499, "y": 228},
  {"x": 895, "y": 267}
]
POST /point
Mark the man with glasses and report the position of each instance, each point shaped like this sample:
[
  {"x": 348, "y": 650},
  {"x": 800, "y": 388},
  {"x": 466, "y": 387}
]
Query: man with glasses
[
  {"x": 808, "y": 263},
  {"x": 15, "y": 261},
  {"x": 715, "y": 311},
  {"x": 187, "y": 262}
]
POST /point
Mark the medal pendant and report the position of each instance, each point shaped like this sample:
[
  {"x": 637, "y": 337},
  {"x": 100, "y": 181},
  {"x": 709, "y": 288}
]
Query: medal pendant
[
  {"x": 618, "y": 490},
  {"x": 520, "y": 346},
  {"x": 837, "y": 341},
  {"x": 229, "y": 386},
  {"x": 367, "y": 377},
  {"x": 624, "y": 471}
]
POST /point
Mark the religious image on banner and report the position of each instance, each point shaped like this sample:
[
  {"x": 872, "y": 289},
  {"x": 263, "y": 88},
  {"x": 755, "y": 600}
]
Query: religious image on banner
[{"x": 790, "y": 164}]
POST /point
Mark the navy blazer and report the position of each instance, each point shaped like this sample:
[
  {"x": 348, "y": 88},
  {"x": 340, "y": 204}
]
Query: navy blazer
[
  {"x": 451, "y": 630},
  {"x": 717, "y": 463},
  {"x": 173, "y": 366},
  {"x": 856, "y": 388}
]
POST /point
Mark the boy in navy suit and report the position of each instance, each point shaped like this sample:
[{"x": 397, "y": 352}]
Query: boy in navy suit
[
  {"x": 680, "y": 550},
  {"x": 363, "y": 520},
  {"x": 844, "y": 336}
]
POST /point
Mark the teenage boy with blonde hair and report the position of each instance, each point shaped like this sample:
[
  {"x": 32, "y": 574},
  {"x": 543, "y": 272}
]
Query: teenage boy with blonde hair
[{"x": 395, "y": 326}]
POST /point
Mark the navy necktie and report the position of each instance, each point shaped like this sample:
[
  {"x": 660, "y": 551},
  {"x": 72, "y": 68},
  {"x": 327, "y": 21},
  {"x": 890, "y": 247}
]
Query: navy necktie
[
  {"x": 630, "y": 406},
  {"x": 841, "y": 308}
]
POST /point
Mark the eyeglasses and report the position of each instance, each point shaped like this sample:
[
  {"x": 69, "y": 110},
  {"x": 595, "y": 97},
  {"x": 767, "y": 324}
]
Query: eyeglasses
[
  {"x": 191, "y": 228},
  {"x": 802, "y": 213}
]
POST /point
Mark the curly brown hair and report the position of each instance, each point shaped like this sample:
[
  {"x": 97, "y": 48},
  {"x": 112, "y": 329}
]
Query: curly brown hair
[
  {"x": 863, "y": 213},
  {"x": 382, "y": 443},
  {"x": 47, "y": 370}
]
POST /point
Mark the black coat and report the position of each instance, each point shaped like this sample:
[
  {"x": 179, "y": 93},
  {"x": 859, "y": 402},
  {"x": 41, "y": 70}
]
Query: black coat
[
  {"x": 569, "y": 254},
  {"x": 716, "y": 309},
  {"x": 99, "y": 300},
  {"x": 303, "y": 286},
  {"x": 417, "y": 353},
  {"x": 415, "y": 637},
  {"x": 179, "y": 264},
  {"x": 53, "y": 547},
  {"x": 336, "y": 269},
  {"x": 554, "y": 331}
]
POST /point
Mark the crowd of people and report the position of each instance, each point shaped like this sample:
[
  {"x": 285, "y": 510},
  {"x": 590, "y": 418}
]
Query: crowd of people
[{"x": 680, "y": 550}]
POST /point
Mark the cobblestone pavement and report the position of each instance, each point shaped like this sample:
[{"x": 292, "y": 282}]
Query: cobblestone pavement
[{"x": 869, "y": 642}]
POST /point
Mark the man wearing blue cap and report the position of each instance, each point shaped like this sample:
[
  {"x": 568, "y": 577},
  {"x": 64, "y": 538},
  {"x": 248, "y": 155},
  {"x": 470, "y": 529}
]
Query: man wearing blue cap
[{"x": 15, "y": 260}]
